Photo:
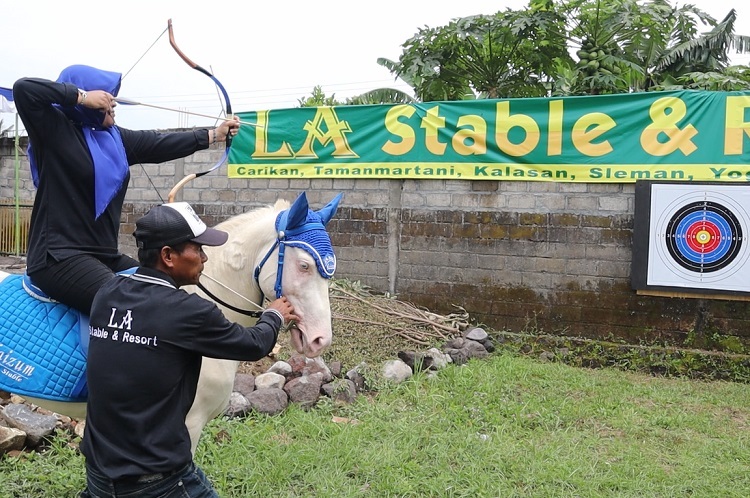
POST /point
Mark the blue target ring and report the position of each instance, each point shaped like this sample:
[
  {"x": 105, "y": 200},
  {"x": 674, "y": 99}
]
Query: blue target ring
[{"x": 704, "y": 237}]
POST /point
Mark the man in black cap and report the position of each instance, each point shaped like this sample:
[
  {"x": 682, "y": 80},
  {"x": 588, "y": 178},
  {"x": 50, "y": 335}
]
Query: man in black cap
[{"x": 147, "y": 339}]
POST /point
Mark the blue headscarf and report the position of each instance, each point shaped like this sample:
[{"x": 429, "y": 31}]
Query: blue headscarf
[{"x": 105, "y": 144}]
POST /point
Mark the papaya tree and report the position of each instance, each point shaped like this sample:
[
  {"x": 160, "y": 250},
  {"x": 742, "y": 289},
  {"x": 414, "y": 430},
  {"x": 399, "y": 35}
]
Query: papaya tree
[{"x": 506, "y": 54}]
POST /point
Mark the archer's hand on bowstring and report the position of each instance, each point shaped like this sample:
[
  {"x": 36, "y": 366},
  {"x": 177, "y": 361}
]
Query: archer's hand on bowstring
[
  {"x": 97, "y": 99},
  {"x": 229, "y": 127}
]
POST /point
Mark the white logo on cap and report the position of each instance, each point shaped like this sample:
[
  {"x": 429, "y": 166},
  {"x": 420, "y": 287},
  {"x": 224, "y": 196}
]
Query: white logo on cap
[{"x": 186, "y": 211}]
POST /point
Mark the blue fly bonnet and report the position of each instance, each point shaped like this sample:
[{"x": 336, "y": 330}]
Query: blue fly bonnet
[
  {"x": 301, "y": 227},
  {"x": 313, "y": 238}
]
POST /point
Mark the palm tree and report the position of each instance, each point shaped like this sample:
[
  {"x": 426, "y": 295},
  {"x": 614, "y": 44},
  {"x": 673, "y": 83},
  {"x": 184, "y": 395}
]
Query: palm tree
[
  {"x": 621, "y": 46},
  {"x": 703, "y": 63},
  {"x": 384, "y": 95}
]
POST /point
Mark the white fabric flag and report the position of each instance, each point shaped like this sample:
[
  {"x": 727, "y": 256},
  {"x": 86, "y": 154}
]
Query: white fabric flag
[{"x": 6, "y": 100}]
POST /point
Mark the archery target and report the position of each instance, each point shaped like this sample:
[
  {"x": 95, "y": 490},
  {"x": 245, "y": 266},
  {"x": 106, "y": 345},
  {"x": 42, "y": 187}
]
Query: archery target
[{"x": 699, "y": 237}]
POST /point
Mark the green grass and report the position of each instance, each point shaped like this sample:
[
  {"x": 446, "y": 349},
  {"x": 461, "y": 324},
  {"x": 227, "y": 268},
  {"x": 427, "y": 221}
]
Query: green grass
[{"x": 503, "y": 427}]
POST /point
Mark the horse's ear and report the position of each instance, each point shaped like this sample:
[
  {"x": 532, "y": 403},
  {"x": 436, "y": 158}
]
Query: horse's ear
[
  {"x": 298, "y": 212},
  {"x": 327, "y": 211}
]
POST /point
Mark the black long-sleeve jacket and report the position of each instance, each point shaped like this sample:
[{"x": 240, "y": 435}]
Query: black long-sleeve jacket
[
  {"x": 147, "y": 339},
  {"x": 62, "y": 220}
]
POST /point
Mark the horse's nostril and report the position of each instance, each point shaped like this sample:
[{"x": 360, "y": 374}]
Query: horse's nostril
[{"x": 320, "y": 343}]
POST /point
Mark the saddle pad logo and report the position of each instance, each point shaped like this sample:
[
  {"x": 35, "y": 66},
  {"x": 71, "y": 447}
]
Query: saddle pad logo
[{"x": 14, "y": 367}]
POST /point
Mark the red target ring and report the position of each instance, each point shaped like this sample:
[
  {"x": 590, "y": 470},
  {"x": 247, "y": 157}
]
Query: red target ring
[{"x": 703, "y": 237}]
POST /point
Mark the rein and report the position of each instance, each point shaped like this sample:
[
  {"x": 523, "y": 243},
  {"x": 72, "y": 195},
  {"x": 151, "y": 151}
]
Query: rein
[{"x": 255, "y": 313}]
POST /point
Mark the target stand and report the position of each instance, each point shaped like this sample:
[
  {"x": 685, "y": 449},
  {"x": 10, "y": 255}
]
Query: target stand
[{"x": 691, "y": 240}]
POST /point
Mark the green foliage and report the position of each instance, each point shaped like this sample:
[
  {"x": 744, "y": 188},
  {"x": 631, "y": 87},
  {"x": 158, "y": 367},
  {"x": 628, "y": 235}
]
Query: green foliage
[
  {"x": 318, "y": 98},
  {"x": 58, "y": 470},
  {"x": 726, "y": 359},
  {"x": 733, "y": 78},
  {"x": 620, "y": 46},
  {"x": 381, "y": 96},
  {"x": 508, "y": 54}
]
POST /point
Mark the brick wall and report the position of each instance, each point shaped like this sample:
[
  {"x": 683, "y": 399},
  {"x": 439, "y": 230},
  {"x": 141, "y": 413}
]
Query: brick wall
[{"x": 533, "y": 256}]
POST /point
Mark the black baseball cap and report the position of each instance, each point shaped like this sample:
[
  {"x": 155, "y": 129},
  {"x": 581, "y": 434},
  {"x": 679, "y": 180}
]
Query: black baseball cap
[{"x": 172, "y": 224}]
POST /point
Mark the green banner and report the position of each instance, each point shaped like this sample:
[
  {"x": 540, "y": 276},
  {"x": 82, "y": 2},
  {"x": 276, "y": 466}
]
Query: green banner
[{"x": 687, "y": 135}]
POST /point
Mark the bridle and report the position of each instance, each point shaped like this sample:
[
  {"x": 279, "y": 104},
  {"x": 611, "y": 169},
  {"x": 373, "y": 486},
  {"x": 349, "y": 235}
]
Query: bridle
[{"x": 284, "y": 238}]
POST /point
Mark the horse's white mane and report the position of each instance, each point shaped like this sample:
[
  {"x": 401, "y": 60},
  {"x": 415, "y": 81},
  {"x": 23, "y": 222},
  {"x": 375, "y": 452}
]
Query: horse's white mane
[
  {"x": 248, "y": 223},
  {"x": 248, "y": 232}
]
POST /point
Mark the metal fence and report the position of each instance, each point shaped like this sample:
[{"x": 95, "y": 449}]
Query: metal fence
[{"x": 14, "y": 228}]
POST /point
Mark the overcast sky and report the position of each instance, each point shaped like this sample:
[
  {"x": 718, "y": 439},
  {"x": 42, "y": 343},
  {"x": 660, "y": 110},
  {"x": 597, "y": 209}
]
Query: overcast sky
[{"x": 268, "y": 54}]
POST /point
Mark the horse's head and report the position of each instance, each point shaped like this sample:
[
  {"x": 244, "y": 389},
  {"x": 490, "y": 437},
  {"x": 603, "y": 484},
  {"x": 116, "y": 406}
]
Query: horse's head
[{"x": 298, "y": 266}]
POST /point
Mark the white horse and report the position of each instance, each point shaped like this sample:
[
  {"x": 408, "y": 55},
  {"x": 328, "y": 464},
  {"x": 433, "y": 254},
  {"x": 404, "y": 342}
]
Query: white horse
[{"x": 247, "y": 269}]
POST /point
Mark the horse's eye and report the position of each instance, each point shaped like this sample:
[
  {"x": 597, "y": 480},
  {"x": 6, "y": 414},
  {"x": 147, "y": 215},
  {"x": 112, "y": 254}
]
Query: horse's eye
[{"x": 304, "y": 265}]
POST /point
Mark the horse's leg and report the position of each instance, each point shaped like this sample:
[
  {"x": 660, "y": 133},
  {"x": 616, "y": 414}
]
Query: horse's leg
[{"x": 212, "y": 397}]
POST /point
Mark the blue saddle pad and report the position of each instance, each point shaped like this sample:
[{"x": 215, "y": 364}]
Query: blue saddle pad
[{"x": 40, "y": 346}]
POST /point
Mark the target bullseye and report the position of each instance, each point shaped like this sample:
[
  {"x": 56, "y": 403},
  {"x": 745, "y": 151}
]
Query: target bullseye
[{"x": 703, "y": 236}]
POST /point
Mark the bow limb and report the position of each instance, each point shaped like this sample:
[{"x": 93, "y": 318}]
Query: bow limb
[{"x": 228, "y": 108}]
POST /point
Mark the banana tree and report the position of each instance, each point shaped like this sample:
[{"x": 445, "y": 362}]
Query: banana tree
[{"x": 629, "y": 45}]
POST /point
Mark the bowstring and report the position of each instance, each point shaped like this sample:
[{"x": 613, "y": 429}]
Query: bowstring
[
  {"x": 144, "y": 54},
  {"x": 218, "y": 96},
  {"x": 143, "y": 168}
]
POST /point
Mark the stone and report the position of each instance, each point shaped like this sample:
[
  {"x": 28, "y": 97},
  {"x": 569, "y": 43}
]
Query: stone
[
  {"x": 335, "y": 367},
  {"x": 341, "y": 391},
  {"x": 11, "y": 439},
  {"x": 474, "y": 349},
  {"x": 357, "y": 378},
  {"x": 458, "y": 356},
  {"x": 238, "y": 406},
  {"x": 244, "y": 383},
  {"x": 271, "y": 401},
  {"x": 547, "y": 356},
  {"x": 489, "y": 345},
  {"x": 304, "y": 391},
  {"x": 396, "y": 371},
  {"x": 79, "y": 428},
  {"x": 270, "y": 380},
  {"x": 35, "y": 425},
  {"x": 281, "y": 367},
  {"x": 455, "y": 343},
  {"x": 476, "y": 334},
  {"x": 416, "y": 361},
  {"x": 316, "y": 366},
  {"x": 440, "y": 360}
]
